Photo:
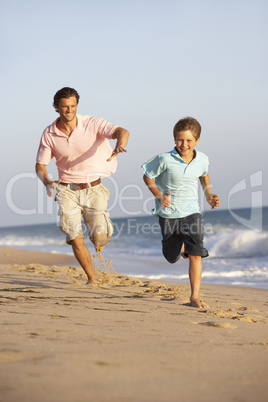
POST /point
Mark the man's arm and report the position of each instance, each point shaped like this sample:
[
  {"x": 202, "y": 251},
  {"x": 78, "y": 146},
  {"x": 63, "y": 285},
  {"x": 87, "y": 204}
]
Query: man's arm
[
  {"x": 41, "y": 172},
  {"x": 162, "y": 198},
  {"x": 121, "y": 135},
  {"x": 212, "y": 199}
]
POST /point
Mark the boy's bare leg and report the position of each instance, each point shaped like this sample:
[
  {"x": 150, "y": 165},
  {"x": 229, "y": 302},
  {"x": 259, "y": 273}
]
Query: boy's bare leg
[
  {"x": 83, "y": 257},
  {"x": 182, "y": 252},
  {"x": 195, "y": 273}
]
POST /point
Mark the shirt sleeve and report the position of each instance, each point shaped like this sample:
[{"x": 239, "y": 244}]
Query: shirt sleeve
[
  {"x": 105, "y": 128},
  {"x": 206, "y": 163},
  {"x": 154, "y": 167},
  {"x": 44, "y": 153}
]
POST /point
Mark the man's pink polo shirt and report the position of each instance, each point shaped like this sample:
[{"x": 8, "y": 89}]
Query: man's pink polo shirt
[{"x": 81, "y": 157}]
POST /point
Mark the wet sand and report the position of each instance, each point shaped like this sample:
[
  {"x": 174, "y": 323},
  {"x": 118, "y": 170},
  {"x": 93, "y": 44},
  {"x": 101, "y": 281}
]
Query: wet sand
[{"x": 125, "y": 339}]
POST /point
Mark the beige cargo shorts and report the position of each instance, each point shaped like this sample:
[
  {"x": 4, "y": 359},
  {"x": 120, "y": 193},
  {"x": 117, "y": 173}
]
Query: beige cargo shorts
[{"x": 91, "y": 204}]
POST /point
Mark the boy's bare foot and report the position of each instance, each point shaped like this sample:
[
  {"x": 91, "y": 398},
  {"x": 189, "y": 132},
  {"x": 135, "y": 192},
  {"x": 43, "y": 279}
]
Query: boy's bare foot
[
  {"x": 197, "y": 303},
  {"x": 184, "y": 256}
]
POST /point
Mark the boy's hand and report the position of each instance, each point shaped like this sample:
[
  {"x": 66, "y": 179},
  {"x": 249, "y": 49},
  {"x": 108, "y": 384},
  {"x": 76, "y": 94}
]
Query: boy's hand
[
  {"x": 164, "y": 200},
  {"x": 213, "y": 200}
]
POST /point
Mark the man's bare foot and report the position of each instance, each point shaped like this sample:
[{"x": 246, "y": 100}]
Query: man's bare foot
[
  {"x": 197, "y": 303},
  {"x": 93, "y": 282},
  {"x": 99, "y": 249}
]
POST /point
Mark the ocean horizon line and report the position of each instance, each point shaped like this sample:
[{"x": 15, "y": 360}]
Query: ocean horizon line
[{"x": 218, "y": 212}]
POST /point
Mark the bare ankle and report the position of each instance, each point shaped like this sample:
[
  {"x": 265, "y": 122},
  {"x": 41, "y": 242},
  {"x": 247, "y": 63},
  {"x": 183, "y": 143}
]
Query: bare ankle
[
  {"x": 92, "y": 279},
  {"x": 195, "y": 302}
]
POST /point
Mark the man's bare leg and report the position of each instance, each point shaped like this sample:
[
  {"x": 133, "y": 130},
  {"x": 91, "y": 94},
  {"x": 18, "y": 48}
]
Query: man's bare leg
[
  {"x": 83, "y": 257},
  {"x": 195, "y": 273}
]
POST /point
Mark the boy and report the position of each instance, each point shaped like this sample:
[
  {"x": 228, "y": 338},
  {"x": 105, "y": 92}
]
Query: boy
[{"x": 172, "y": 177}]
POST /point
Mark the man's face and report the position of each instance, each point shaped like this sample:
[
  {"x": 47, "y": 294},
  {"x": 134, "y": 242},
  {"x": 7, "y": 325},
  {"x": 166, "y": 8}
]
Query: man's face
[{"x": 67, "y": 109}]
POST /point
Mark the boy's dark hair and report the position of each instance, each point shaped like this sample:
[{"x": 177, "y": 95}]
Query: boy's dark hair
[
  {"x": 66, "y": 93},
  {"x": 188, "y": 123}
]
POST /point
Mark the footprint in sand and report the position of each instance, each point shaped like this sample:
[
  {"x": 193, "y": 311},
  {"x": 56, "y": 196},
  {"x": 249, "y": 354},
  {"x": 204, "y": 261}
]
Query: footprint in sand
[
  {"x": 246, "y": 319},
  {"x": 9, "y": 355},
  {"x": 167, "y": 298},
  {"x": 217, "y": 324}
]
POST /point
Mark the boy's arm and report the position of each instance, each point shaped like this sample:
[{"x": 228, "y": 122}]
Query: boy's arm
[
  {"x": 162, "y": 198},
  {"x": 212, "y": 199}
]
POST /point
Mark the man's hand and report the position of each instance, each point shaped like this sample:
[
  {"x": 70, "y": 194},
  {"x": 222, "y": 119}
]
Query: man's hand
[
  {"x": 213, "y": 200},
  {"x": 51, "y": 186},
  {"x": 164, "y": 200},
  {"x": 121, "y": 135},
  {"x": 118, "y": 149},
  {"x": 41, "y": 172}
]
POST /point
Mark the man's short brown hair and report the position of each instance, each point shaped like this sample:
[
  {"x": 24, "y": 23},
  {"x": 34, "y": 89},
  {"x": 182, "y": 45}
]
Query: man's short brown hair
[
  {"x": 65, "y": 93},
  {"x": 188, "y": 123}
]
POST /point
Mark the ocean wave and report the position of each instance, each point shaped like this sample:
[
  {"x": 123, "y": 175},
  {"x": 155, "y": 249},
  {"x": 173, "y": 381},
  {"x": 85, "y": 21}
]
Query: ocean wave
[
  {"x": 238, "y": 277},
  {"x": 225, "y": 242},
  {"x": 29, "y": 241},
  {"x": 237, "y": 273},
  {"x": 238, "y": 244}
]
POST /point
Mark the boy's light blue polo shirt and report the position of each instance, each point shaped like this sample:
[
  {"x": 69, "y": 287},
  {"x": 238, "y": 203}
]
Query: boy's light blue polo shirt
[{"x": 172, "y": 174}]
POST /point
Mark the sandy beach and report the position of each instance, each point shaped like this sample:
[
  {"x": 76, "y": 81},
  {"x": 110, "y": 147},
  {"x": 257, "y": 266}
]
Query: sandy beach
[{"x": 126, "y": 339}]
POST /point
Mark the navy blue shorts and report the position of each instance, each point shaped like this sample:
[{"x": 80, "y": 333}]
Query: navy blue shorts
[{"x": 175, "y": 232}]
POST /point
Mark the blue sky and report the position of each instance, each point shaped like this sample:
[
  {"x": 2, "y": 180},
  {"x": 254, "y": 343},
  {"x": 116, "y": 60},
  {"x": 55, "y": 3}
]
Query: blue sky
[{"x": 142, "y": 65}]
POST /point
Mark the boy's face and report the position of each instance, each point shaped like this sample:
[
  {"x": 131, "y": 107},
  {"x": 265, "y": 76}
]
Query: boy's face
[{"x": 185, "y": 143}]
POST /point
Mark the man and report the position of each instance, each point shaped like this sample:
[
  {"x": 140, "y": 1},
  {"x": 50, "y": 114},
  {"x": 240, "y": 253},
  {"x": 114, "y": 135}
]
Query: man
[{"x": 83, "y": 156}]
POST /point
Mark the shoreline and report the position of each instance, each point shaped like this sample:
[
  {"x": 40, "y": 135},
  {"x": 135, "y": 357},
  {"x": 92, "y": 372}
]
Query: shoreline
[
  {"x": 12, "y": 255},
  {"x": 127, "y": 339}
]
